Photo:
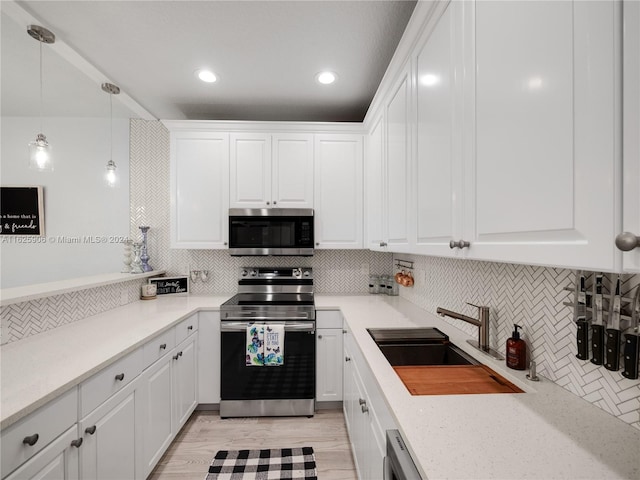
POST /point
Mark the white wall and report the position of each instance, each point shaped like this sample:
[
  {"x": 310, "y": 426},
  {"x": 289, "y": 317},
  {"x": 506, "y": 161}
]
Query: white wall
[{"x": 77, "y": 203}]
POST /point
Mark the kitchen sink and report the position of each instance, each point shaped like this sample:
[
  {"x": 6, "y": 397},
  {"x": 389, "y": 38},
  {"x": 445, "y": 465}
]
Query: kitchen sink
[{"x": 418, "y": 346}]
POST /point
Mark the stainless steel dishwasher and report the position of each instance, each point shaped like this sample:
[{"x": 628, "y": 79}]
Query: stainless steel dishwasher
[{"x": 398, "y": 464}]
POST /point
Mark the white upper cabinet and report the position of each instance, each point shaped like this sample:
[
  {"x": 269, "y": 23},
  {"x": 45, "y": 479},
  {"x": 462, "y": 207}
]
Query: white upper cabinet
[
  {"x": 375, "y": 186},
  {"x": 398, "y": 166},
  {"x": 271, "y": 170},
  {"x": 338, "y": 191},
  {"x": 439, "y": 94},
  {"x": 250, "y": 180},
  {"x": 540, "y": 170},
  {"x": 631, "y": 138},
  {"x": 199, "y": 183}
]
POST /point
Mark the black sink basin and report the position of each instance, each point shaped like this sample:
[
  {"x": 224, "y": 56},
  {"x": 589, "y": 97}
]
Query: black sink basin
[
  {"x": 447, "y": 353},
  {"x": 418, "y": 346}
]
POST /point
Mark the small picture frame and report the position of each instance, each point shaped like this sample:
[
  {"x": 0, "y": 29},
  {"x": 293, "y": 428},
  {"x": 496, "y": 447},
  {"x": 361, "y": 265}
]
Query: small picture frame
[
  {"x": 178, "y": 286},
  {"x": 22, "y": 210}
]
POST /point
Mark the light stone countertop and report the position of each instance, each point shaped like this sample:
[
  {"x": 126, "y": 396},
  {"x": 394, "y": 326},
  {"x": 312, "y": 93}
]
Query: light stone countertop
[{"x": 544, "y": 433}]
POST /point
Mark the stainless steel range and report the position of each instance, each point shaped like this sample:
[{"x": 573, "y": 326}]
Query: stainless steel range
[{"x": 269, "y": 297}]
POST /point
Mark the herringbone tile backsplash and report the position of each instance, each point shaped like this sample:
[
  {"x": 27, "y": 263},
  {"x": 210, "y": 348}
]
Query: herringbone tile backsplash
[{"x": 530, "y": 296}]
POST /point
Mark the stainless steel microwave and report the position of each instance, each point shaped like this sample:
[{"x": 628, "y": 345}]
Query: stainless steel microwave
[{"x": 271, "y": 231}]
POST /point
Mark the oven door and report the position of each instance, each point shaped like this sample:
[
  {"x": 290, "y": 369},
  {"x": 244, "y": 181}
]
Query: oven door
[{"x": 294, "y": 380}]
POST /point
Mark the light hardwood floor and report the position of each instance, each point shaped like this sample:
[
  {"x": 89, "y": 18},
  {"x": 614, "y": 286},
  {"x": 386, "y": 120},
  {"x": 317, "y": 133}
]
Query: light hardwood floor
[{"x": 191, "y": 453}]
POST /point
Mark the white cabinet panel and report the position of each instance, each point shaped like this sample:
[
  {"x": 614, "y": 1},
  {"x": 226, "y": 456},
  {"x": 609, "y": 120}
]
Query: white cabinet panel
[
  {"x": 209, "y": 357},
  {"x": 439, "y": 135},
  {"x": 541, "y": 184},
  {"x": 199, "y": 189},
  {"x": 292, "y": 171},
  {"x": 185, "y": 384},
  {"x": 329, "y": 354},
  {"x": 631, "y": 138},
  {"x": 250, "y": 170},
  {"x": 398, "y": 171},
  {"x": 375, "y": 186},
  {"x": 338, "y": 191}
]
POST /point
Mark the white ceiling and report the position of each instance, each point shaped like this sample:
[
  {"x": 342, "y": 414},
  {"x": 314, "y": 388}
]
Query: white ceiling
[{"x": 266, "y": 54}]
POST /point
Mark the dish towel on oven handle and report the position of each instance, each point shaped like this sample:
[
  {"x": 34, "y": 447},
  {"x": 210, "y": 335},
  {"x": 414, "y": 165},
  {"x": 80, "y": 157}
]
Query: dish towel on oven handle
[
  {"x": 255, "y": 345},
  {"x": 273, "y": 345}
]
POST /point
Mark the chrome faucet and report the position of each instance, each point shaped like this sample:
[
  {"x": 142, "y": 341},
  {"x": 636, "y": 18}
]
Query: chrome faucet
[{"x": 482, "y": 322}]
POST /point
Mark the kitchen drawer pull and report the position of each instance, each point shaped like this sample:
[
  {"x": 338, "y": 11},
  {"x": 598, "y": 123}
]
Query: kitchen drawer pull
[
  {"x": 77, "y": 443},
  {"x": 120, "y": 376},
  {"x": 268, "y": 203},
  {"x": 177, "y": 355},
  {"x": 627, "y": 241},
  {"x": 364, "y": 409},
  {"x": 362, "y": 401},
  {"x": 347, "y": 359},
  {"x": 190, "y": 327},
  {"x": 31, "y": 440},
  {"x": 319, "y": 337},
  {"x": 90, "y": 430},
  {"x": 163, "y": 346},
  {"x": 459, "y": 244}
]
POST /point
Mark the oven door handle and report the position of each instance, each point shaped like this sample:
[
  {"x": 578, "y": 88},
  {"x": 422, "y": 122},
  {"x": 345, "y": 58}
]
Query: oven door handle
[
  {"x": 256, "y": 316},
  {"x": 288, "y": 326}
]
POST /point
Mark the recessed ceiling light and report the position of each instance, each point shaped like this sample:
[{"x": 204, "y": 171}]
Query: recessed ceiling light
[
  {"x": 326, "y": 78},
  {"x": 206, "y": 76}
]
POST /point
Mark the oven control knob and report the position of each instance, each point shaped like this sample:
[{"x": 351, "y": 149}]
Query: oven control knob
[
  {"x": 306, "y": 273},
  {"x": 244, "y": 273},
  {"x": 254, "y": 273},
  {"x": 297, "y": 272}
]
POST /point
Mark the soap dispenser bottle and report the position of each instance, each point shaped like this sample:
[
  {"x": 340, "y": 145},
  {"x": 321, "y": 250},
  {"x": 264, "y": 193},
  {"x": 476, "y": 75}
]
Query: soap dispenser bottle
[{"x": 516, "y": 350}]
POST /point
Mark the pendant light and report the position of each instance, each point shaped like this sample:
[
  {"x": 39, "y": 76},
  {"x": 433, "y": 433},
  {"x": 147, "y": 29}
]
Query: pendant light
[
  {"x": 40, "y": 150},
  {"x": 111, "y": 178}
]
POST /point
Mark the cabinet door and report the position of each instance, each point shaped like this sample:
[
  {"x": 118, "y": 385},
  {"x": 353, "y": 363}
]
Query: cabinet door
[
  {"x": 158, "y": 412},
  {"x": 199, "y": 190},
  {"x": 292, "y": 171},
  {"x": 398, "y": 167},
  {"x": 631, "y": 125},
  {"x": 112, "y": 435},
  {"x": 439, "y": 135},
  {"x": 250, "y": 170},
  {"x": 338, "y": 191},
  {"x": 185, "y": 385},
  {"x": 375, "y": 187},
  {"x": 57, "y": 461},
  {"x": 541, "y": 184},
  {"x": 209, "y": 357},
  {"x": 329, "y": 353}
]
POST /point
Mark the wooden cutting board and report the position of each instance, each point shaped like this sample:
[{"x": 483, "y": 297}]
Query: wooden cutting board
[{"x": 453, "y": 380}]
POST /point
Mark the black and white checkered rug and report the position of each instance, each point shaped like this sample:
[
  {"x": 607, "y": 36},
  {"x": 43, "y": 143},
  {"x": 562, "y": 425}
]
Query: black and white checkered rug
[{"x": 268, "y": 464}]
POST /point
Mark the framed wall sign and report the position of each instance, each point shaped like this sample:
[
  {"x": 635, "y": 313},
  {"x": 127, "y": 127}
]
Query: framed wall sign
[
  {"x": 22, "y": 210},
  {"x": 171, "y": 285}
]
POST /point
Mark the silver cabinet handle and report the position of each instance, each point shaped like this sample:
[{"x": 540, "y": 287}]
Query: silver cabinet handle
[
  {"x": 317, "y": 244},
  {"x": 362, "y": 401},
  {"x": 364, "y": 408},
  {"x": 268, "y": 203},
  {"x": 120, "y": 376},
  {"x": 274, "y": 202},
  {"x": 224, "y": 243},
  {"x": 31, "y": 440},
  {"x": 177, "y": 355},
  {"x": 383, "y": 244},
  {"x": 163, "y": 346},
  {"x": 319, "y": 337},
  {"x": 347, "y": 359},
  {"x": 627, "y": 241},
  {"x": 90, "y": 430},
  {"x": 77, "y": 443},
  {"x": 459, "y": 244},
  {"x": 190, "y": 327}
]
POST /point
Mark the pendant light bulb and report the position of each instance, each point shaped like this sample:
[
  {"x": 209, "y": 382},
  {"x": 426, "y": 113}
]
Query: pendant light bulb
[
  {"x": 40, "y": 154},
  {"x": 40, "y": 157},
  {"x": 111, "y": 176}
]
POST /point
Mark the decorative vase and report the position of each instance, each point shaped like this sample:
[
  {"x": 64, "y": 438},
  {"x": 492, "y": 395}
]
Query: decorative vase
[
  {"x": 136, "y": 264},
  {"x": 144, "y": 258},
  {"x": 126, "y": 257}
]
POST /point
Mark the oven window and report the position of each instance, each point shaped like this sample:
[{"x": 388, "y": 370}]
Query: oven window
[{"x": 294, "y": 379}]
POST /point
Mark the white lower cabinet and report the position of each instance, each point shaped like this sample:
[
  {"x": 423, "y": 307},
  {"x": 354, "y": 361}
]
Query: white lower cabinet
[
  {"x": 185, "y": 386},
  {"x": 329, "y": 356},
  {"x": 209, "y": 357},
  {"x": 57, "y": 461},
  {"x": 112, "y": 437},
  {"x": 366, "y": 415}
]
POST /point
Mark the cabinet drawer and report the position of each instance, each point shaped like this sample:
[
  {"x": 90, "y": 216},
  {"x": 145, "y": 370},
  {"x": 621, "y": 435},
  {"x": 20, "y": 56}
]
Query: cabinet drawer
[
  {"x": 48, "y": 422},
  {"x": 186, "y": 328},
  {"x": 328, "y": 319},
  {"x": 109, "y": 381},
  {"x": 159, "y": 346}
]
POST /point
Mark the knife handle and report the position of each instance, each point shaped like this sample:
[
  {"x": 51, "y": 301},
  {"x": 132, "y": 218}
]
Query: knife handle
[
  {"x": 582, "y": 337},
  {"x": 597, "y": 344},
  {"x": 612, "y": 353},
  {"x": 631, "y": 355}
]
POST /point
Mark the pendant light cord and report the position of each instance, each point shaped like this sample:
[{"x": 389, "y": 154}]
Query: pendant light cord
[
  {"x": 111, "y": 126},
  {"x": 41, "y": 120}
]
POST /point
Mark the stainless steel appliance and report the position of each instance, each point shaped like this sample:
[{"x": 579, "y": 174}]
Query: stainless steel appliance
[
  {"x": 282, "y": 296},
  {"x": 271, "y": 231},
  {"x": 398, "y": 464}
]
